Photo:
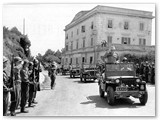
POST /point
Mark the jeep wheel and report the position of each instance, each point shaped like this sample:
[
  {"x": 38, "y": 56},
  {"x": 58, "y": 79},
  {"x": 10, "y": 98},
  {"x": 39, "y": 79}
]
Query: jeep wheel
[
  {"x": 101, "y": 92},
  {"x": 110, "y": 95},
  {"x": 144, "y": 98},
  {"x": 70, "y": 75},
  {"x": 81, "y": 77},
  {"x": 84, "y": 76},
  {"x": 73, "y": 75}
]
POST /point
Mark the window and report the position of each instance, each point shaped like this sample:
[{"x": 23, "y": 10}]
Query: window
[
  {"x": 66, "y": 60},
  {"x": 92, "y": 25},
  {"x": 83, "y": 42},
  {"x": 77, "y": 45},
  {"x": 125, "y": 40},
  {"x": 77, "y": 31},
  {"x": 141, "y": 26},
  {"x": 76, "y": 60},
  {"x": 83, "y": 29},
  {"x": 91, "y": 41},
  {"x": 126, "y": 25},
  {"x": 83, "y": 59},
  {"x": 66, "y": 47},
  {"x": 91, "y": 60},
  {"x": 72, "y": 34},
  {"x": 110, "y": 24},
  {"x": 70, "y": 60},
  {"x": 66, "y": 36},
  {"x": 109, "y": 39},
  {"x": 72, "y": 45},
  {"x": 142, "y": 41}
]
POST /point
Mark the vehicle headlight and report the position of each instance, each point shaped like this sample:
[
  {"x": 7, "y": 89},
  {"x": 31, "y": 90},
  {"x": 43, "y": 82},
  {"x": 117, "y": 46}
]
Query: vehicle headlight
[
  {"x": 142, "y": 87},
  {"x": 138, "y": 80},
  {"x": 117, "y": 81}
]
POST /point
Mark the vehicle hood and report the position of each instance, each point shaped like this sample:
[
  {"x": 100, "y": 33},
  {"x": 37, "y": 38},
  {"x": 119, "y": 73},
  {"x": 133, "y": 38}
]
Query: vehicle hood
[{"x": 119, "y": 77}]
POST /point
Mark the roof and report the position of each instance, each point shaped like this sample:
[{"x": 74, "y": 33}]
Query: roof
[{"x": 82, "y": 15}]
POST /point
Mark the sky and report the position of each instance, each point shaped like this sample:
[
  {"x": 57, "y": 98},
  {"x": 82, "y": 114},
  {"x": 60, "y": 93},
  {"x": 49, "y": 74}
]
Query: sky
[{"x": 45, "y": 23}]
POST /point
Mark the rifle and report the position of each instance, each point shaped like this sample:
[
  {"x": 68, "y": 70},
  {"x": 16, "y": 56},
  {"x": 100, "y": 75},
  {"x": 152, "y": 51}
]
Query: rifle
[{"x": 12, "y": 82}]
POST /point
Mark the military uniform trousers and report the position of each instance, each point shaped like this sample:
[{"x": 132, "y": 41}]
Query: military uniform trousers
[
  {"x": 15, "y": 97},
  {"x": 5, "y": 103},
  {"x": 24, "y": 94},
  {"x": 32, "y": 89},
  {"x": 53, "y": 77}
]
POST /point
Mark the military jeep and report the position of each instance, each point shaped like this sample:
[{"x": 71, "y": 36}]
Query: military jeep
[
  {"x": 75, "y": 72},
  {"x": 119, "y": 80},
  {"x": 88, "y": 74}
]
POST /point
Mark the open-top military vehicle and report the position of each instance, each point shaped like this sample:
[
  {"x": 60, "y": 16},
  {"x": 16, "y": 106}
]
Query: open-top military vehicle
[
  {"x": 75, "y": 72},
  {"x": 88, "y": 73},
  {"x": 119, "y": 80}
]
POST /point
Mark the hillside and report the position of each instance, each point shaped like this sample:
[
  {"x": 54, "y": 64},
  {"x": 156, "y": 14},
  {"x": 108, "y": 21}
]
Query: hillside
[{"x": 15, "y": 43}]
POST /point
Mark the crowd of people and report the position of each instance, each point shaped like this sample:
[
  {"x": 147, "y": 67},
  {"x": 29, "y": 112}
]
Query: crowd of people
[
  {"x": 21, "y": 85},
  {"x": 147, "y": 71}
]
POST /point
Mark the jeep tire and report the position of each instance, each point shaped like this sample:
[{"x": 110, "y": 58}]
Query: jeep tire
[
  {"x": 101, "y": 92},
  {"x": 144, "y": 98},
  {"x": 110, "y": 95}
]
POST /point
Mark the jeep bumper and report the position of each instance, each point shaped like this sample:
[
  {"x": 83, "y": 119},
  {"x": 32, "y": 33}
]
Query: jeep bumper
[{"x": 123, "y": 94}]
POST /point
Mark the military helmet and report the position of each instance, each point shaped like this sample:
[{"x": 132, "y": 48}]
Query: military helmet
[
  {"x": 124, "y": 59},
  {"x": 113, "y": 48},
  {"x": 5, "y": 59},
  {"x": 17, "y": 59}
]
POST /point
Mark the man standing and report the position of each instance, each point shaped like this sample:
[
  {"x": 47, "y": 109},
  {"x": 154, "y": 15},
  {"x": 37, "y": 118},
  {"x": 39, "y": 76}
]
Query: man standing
[
  {"x": 37, "y": 69},
  {"x": 110, "y": 56},
  {"x": 16, "y": 94},
  {"x": 24, "y": 85},
  {"x": 6, "y": 88},
  {"x": 31, "y": 84},
  {"x": 52, "y": 74}
]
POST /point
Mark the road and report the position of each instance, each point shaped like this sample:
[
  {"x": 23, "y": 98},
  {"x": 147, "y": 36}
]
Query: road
[{"x": 70, "y": 97}]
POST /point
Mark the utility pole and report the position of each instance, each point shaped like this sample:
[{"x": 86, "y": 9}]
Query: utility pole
[{"x": 24, "y": 26}]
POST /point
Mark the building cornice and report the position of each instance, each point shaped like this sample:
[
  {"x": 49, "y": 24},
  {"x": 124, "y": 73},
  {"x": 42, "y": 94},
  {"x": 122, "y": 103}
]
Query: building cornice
[{"x": 112, "y": 11}]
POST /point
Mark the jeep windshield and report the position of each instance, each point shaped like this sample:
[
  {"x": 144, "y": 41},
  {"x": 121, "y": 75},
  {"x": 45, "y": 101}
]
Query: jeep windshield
[{"x": 120, "y": 69}]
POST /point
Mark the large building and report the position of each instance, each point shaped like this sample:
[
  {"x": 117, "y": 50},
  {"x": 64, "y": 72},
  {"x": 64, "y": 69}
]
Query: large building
[{"x": 128, "y": 30}]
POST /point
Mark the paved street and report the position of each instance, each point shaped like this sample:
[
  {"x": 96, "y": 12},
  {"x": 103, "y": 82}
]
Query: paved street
[{"x": 70, "y": 97}]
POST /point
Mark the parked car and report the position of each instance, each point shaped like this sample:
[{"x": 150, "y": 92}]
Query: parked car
[
  {"x": 119, "y": 80},
  {"x": 75, "y": 72},
  {"x": 88, "y": 74}
]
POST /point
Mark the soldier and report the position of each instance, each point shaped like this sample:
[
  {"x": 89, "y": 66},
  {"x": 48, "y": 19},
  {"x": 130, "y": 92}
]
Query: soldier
[
  {"x": 24, "y": 85},
  {"x": 6, "y": 88},
  {"x": 153, "y": 73},
  {"x": 37, "y": 69},
  {"x": 16, "y": 94},
  {"x": 52, "y": 74},
  {"x": 146, "y": 71},
  {"x": 31, "y": 84},
  {"x": 137, "y": 69},
  {"x": 110, "y": 56}
]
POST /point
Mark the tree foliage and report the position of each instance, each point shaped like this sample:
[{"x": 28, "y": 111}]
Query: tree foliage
[{"x": 15, "y": 43}]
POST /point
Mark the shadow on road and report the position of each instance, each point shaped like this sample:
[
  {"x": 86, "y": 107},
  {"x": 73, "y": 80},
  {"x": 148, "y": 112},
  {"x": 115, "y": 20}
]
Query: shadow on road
[
  {"x": 84, "y": 82},
  {"x": 102, "y": 103}
]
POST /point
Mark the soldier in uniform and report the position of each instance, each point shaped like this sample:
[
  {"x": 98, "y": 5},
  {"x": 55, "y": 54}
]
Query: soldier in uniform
[
  {"x": 111, "y": 56},
  {"x": 153, "y": 73},
  {"x": 24, "y": 85},
  {"x": 146, "y": 71},
  {"x": 16, "y": 94},
  {"x": 6, "y": 88},
  {"x": 52, "y": 74},
  {"x": 37, "y": 70},
  {"x": 31, "y": 84}
]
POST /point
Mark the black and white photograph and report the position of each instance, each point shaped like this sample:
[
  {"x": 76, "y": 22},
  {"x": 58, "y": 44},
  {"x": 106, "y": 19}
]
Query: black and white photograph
[{"x": 79, "y": 59}]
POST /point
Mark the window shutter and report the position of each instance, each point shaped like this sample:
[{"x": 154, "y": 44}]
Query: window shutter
[
  {"x": 144, "y": 41},
  {"x": 129, "y": 41},
  {"x": 122, "y": 40}
]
